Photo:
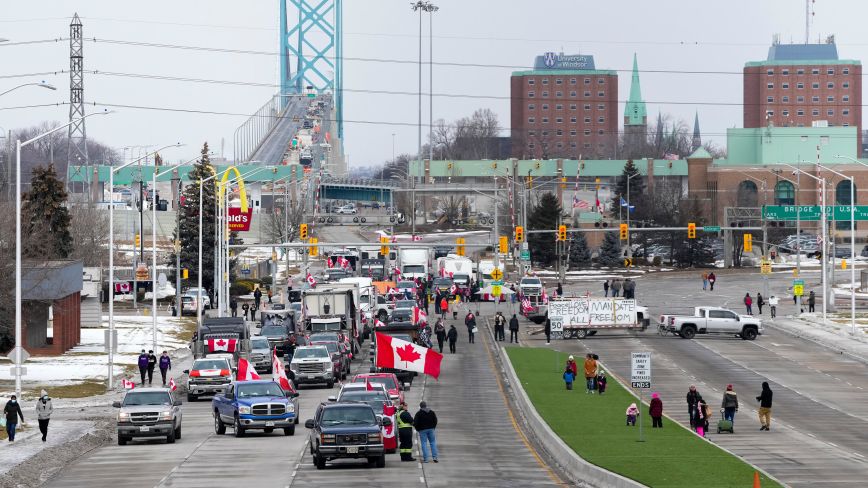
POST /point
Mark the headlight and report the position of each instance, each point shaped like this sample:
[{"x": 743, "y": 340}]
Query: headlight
[
  {"x": 375, "y": 438},
  {"x": 244, "y": 410},
  {"x": 327, "y": 438},
  {"x": 123, "y": 417},
  {"x": 293, "y": 367},
  {"x": 166, "y": 415},
  {"x": 290, "y": 407}
]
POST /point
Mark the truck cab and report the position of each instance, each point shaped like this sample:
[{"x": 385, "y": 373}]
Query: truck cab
[
  {"x": 148, "y": 412},
  {"x": 257, "y": 404},
  {"x": 714, "y": 320}
]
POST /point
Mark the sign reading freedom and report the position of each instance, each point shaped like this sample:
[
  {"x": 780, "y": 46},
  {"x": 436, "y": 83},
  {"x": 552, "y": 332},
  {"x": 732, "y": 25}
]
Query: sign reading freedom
[{"x": 599, "y": 312}]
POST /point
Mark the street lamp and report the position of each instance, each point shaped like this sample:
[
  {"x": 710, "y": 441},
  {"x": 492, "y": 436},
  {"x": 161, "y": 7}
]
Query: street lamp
[
  {"x": 18, "y": 145},
  {"x": 41, "y": 84},
  {"x": 852, "y": 238}
]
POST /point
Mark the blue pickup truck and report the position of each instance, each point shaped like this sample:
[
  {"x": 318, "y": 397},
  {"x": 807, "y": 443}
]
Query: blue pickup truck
[{"x": 260, "y": 405}]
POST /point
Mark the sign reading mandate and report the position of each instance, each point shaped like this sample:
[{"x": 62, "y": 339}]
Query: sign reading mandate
[
  {"x": 640, "y": 370},
  {"x": 813, "y": 212}
]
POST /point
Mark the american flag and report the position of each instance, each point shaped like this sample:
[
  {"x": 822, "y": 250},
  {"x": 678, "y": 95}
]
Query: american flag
[
  {"x": 581, "y": 204},
  {"x": 525, "y": 305}
]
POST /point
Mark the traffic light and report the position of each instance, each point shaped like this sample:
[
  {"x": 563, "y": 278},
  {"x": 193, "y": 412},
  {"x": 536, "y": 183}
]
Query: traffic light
[
  {"x": 748, "y": 243},
  {"x": 519, "y": 234},
  {"x": 384, "y": 245},
  {"x": 536, "y": 165},
  {"x": 504, "y": 245},
  {"x": 138, "y": 240},
  {"x": 562, "y": 233},
  {"x": 459, "y": 246},
  {"x": 314, "y": 250},
  {"x": 691, "y": 230},
  {"x": 302, "y": 232},
  {"x": 563, "y": 182},
  {"x": 624, "y": 231}
]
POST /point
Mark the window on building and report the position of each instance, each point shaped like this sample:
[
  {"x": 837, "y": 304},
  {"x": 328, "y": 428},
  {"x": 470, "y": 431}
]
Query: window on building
[
  {"x": 830, "y": 85},
  {"x": 587, "y": 94},
  {"x": 545, "y": 81},
  {"x": 815, "y": 112},
  {"x": 586, "y": 145},
  {"x": 560, "y": 145},
  {"x": 572, "y": 106},
  {"x": 573, "y": 120},
  {"x": 785, "y": 72},
  {"x": 559, "y": 120},
  {"x": 770, "y": 72},
  {"x": 587, "y": 106},
  {"x": 530, "y": 81},
  {"x": 785, "y": 99},
  {"x": 845, "y": 85},
  {"x": 800, "y": 99},
  {"x": 601, "y": 81},
  {"x": 573, "y": 145},
  {"x": 601, "y": 120},
  {"x": 800, "y": 71},
  {"x": 845, "y": 124},
  {"x": 531, "y": 133},
  {"x": 815, "y": 71},
  {"x": 770, "y": 99},
  {"x": 845, "y": 111},
  {"x": 531, "y": 106},
  {"x": 746, "y": 195},
  {"x": 770, "y": 86},
  {"x": 785, "y": 113},
  {"x": 815, "y": 86},
  {"x": 601, "y": 107},
  {"x": 587, "y": 81},
  {"x": 830, "y": 112},
  {"x": 531, "y": 120},
  {"x": 601, "y": 132},
  {"x": 545, "y": 133},
  {"x": 815, "y": 99},
  {"x": 830, "y": 71},
  {"x": 531, "y": 145},
  {"x": 845, "y": 71},
  {"x": 545, "y": 94},
  {"x": 800, "y": 86},
  {"x": 559, "y": 81},
  {"x": 559, "y": 107},
  {"x": 573, "y": 94},
  {"x": 545, "y": 106},
  {"x": 800, "y": 112},
  {"x": 559, "y": 94},
  {"x": 587, "y": 120},
  {"x": 601, "y": 94},
  {"x": 785, "y": 86},
  {"x": 572, "y": 81},
  {"x": 573, "y": 132},
  {"x": 530, "y": 94},
  {"x": 785, "y": 193},
  {"x": 770, "y": 113},
  {"x": 842, "y": 197},
  {"x": 845, "y": 98},
  {"x": 587, "y": 132},
  {"x": 560, "y": 132},
  {"x": 545, "y": 120},
  {"x": 830, "y": 99}
]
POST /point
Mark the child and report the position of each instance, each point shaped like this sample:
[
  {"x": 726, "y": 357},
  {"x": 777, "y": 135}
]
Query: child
[
  {"x": 701, "y": 417},
  {"x": 655, "y": 411},
  {"x": 632, "y": 413},
  {"x": 569, "y": 377},
  {"x": 601, "y": 383}
]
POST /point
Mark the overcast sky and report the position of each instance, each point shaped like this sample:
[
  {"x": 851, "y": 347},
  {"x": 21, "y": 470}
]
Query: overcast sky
[{"x": 669, "y": 35}]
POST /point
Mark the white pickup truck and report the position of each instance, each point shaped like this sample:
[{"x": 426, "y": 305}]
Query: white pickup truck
[{"x": 713, "y": 320}]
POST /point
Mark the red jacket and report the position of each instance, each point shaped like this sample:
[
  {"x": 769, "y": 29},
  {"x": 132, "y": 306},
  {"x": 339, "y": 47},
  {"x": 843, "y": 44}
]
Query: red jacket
[
  {"x": 571, "y": 365},
  {"x": 656, "y": 408}
]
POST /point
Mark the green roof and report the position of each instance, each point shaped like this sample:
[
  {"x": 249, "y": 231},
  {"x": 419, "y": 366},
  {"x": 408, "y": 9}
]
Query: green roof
[
  {"x": 577, "y": 72},
  {"x": 128, "y": 175},
  {"x": 807, "y": 62},
  {"x": 700, "y": 153},
  {"x": 545, "y": 168},
  {"x": 634, "y": 109},
  {"x": 772, "y": 145}
]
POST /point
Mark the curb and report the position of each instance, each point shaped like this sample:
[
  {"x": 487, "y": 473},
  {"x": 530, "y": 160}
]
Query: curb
[{"x": 820, "y": 341}]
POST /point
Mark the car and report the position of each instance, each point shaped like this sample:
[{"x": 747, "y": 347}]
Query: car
[
  {"x": 405, "y": 304},
  {"x": 402, "y": 315},
  {"x": 148, "y": 412},
  {"x": 312, "y": 364},
  {"x": 442, "y": 251},
  {"x": 260, "y": 354},
  {"x": 349, "y": 430},
  {"x": 257, "y": 404},
  {"x": 208, "y": 376},
  {"x": 278, "y": 337},
  {"x": 443, "y": 285},
  {"x": 375, "y": 205},
  {"x": 395, "y": 388},
  {"x": 714, "y": 320},
  {"x": 348, "y": 209},
  {"x": 406, "y": 287},
  {"x": 194, "y": 292},
  {"x": 842, "y": 252},
  {"x": 336, "y": 274},
  {"x": 340, "y": 357}
]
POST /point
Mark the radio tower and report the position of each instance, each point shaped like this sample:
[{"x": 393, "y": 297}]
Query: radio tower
[{"x": 76, "y": 148}]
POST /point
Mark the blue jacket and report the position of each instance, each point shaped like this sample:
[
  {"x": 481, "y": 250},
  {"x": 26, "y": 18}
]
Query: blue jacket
[{"x": 569, "y": 377}]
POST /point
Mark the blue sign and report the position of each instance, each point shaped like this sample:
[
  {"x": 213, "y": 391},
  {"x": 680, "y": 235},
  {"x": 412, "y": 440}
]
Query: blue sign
[{"x": 561, "y": 61}]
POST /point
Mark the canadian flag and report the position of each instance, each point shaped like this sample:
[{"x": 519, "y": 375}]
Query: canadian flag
[
  {"x": 343, "y": 262},
  {"x": 453, "y": 289},
  {"x": 279, "y": 374},
  {"x": 389, "y": 430},
  {"x": 394, "y": 238},
  {"x": 227, "y": 345},
  {"x": 417, "y": 238},
  {"x": 403, "y": 355},
  {"x": 419, "y": 316},
  {"x": 246, "y": 371},
  {"x": 377, "y": 323},
  {"x": 368, "y": 385},
  {"x": 127, "y": 384},
  {"x": 172, "y": 385},
  {"x": 397, "y": 272},
  {"x": 329, "y": 263},
  {"x": 311, "y": 280}
]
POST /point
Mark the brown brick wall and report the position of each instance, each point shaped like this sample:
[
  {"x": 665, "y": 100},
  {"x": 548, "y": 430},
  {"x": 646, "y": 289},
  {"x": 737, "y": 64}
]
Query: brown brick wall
[{"x": 67, "y": 328}]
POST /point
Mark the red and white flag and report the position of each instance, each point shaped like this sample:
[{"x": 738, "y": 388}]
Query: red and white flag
[
  {"x": 397, "y": 272},
  {"x": 330, "y": 263},
  {"x": 397, "y": 354},
  {"x": 453, "y": 289},
  {"x": 343, "y": 262},
  {"x": 368, "y": 385},
  {"x": 279, "y": 374},
  {"x": 246, "y": 371},
  {"x": 419, "y": 316},
  {"x": 417, "y": 238},
  {"x": 525, "y": 305},
  {"x": 172, "y": 385},
  {"x": 226, "y": 345},
  {"x": 127, "y": 384},
  {"x": 394, "y": 238},
  {"x": 389, "y": 430},
  {"x": 377, "y": 323},
  {"x": 311, "y": 280}
]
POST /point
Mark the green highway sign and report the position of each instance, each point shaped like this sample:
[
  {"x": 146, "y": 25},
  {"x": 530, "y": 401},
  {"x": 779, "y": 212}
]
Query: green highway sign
[
  {"x": 711, "y": 228},
  {"x": 812, "y": 212},
  {"x": 525, "y": 255}
]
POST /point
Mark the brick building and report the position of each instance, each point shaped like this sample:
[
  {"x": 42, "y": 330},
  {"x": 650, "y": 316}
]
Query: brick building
[
  {"x": 51, "y": 314},
  {"x": 564, "y": 108},
  {"x": 801, "y": 85}
]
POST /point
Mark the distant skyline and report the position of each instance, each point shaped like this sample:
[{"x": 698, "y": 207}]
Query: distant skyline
[{"x": 691, "y": 55}]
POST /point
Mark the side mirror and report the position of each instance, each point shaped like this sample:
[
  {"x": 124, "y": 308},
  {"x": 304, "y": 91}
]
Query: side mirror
[
  {"x": 387, "y": 421},
  {"x": 294, "y": 394},
  {"x": 116, "y": 404},
  {"x": 229, "y": 396},
  {"x": 407, "y": 386},
  {"x": 332, "y": 398},
  {"x": 186, "y": 371},
  {"x": 308, "y": 424},
  {"x": 177, "y": 403},
  {"x": 234, "y": 369}
]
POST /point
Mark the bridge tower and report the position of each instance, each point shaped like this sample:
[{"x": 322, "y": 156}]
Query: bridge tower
[{"x": 315, "y": 42}]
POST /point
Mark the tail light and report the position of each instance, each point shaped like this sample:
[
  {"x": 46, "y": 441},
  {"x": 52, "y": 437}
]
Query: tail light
[{"x": 194, "y": 373}]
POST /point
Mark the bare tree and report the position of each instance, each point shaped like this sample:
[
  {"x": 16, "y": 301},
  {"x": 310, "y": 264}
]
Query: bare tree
[{"x": 90, "y": 233}]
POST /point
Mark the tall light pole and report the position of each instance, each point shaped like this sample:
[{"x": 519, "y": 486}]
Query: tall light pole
[
  {"x": 629, "y": 247},
  {"x": 9, "y": 162},
  {"x": 18, "y": 145},
  {"x": 431, "y": 8},
  {"x": 852, "y": 238},
  {"x": 41, "y": 84}
]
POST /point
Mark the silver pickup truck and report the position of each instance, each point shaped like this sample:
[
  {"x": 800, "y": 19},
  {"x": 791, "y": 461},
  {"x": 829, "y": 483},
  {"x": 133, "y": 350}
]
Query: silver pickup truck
[
  {"x": 149, "y": 412},
  {"x": 713, "y": 320}
]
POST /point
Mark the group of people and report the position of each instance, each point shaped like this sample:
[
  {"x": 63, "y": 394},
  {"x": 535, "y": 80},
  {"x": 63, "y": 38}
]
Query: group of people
[
  {"x": 500, "y": 328},
  {"x": 708, "y": 279},
  {"x": 626, "y": 288},
  {"x": 12, "y": 412},
  {"x": 148, "y": 362},
  {"x": 760, "y": 303},
  {"x": 595, "y": 377},
  {"x": 425, "y": 421}
]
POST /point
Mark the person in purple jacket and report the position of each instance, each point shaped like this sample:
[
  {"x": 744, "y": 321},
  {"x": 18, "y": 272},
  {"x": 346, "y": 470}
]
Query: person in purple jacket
[
  {"x": 143, "y": 365},
  {"x": 165, "y": 365}
]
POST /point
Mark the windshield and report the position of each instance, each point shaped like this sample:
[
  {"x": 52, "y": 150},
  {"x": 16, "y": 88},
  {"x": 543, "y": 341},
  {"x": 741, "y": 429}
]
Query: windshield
[
  {"x": 406, "y": 284},
  {"x": 348, "y": 415},
  {"x": 259, "y": 343},
  {"x": 403, "y": 304},
  {"x": 295, "y": 306},
  {"x": 210, "y": 364},
  {"x": 258, "y": 390},
  {"x": 530, "y": 281},
  {"x": 311, "y": 352},
  {"x": 413, "y": 268},
  {"x": 147, "y": 398},
  {"x": 401, "y": 314},
  {"x": 331, "y": 346},
  {"x": 443, "y": 282},
  {"x": 387, "y": 381},
  {"x": 376, "y": 399},
  {"x": 461, "y": 278},
  {"x": 272, "y": 330}
]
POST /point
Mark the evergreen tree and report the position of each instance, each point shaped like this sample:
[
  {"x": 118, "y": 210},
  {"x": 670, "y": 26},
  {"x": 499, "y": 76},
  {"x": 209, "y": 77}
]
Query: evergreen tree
[
  {"x": 610, "y": 251},
  {"x": 580, "y": 255},
  {"x": 190, "y": 223},
  {"x": 694, "y": 252},
  {"x": 637, "y": 187},
  {"x": 545, "y": 216},
  {"x": 45, "y": 218}
]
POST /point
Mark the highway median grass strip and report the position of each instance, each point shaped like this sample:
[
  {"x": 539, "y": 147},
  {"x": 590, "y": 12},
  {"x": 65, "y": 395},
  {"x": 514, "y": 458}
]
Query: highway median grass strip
[{"x": 595, "y": 427}]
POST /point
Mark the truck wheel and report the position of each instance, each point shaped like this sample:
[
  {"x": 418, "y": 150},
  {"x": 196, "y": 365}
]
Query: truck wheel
[
  {"x": 331, "y": 384},
  {"x": 239, "y": 430},
  {"x": 219, "y": 426},
  {"x": 592, "y": 332},
  {"x": 191, "y": 397},
  {"x": 581, "y": 333},
  {"x": 688, "y": 332},
  {"x": 749, "y": 334},
  {"x": 319, "y": 461},
  {"x": 122, "y": 441},
  {"x": 289, "y": 430},
  {"x": 268, "y": 430},
  {"x": 363, "y": 220},
  {"x": 170, "y": 439},
  {"x": 178, "y": 432},
  {"x": 381, "y": 461}
]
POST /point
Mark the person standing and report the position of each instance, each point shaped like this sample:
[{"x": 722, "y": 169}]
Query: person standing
[
  {"x": 729, "y": 404},
  {"x": 629, "y": 288},
  {"x": 257, "y": 297},
  {"x": 233, "y": 306},
  {"x": 426, "y": 300},
  {"x": 655, "y": 411},
  {"x": 444, "y": 306},
  {"x": 812, "y": 300},
  {"x": 405, "y": 432},
  {"x": 436, "y": 301},
  {"x": 760, "y": 302},
  {"x": 44, "y": 408},
  {"x": 699, "y": 419},
  {"x": 165, "y": 365},
  {"x": 425, "y": 422},
  {"x": 452, "y": 337},
  {"x": 499, "y": 327},
  {"x": 572, "y": 366},
  {"x": 513, "y": 329},
  {"x": 143, "y": 365},
  {"x": 560, "y": 290},
  {"x": 606, "y": 288},
  {"x": 704, "y": 281},
  {"x": 711, "y": 280},
  {"x": 590, "y": 372},
  {"x": 268, "y": 291},
  {"x": 12, "y": 411},
  {"x": 773, "y": 305},
  {"x": 765, "y": 410},
  {"x": 152, "y": 363},
  {"x": 470, "y": 322},
  {"x": 548, "y": 329},
  {"x": 440, "y": 332},
  {"x": 616, "y": 287},
  {"x": 692, "y": 403},
  {"x": 748, "y": 303}
]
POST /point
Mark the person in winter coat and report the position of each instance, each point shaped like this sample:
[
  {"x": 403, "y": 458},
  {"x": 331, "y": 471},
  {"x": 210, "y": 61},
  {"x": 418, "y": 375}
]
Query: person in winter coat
[
  {"x": 601, "y": 382},
  {"x": 436, "y": 301},
  {"x": 748, "y": 303},
  {"x": 470, "y": 322},
  {"x": 760, "y": 302},
  {"x": 499, "y": 327},
  {"x": 571, "y": 365},
  {"x": 444, "y": 306},
  {"x": 257, "y": 297},
  {"x": 773, "y": 305},
  {"x": 699, "y": 419},
  {"x": 233, "y": 306},
  {"x": 590, "y": 372},
  {"x": 270, "y": 294},
  {"x": 704, "y": 281},
  {"x": 43, "y": 412},
  {"x": 513, "y": 329},
  {"x": 616, "y": 287},
  {"x": 812, "y": 300},
  {"x": 405, "y": 433},
  {"x": 711, "y": 279},
  {"x": 606, "y": 288},
  {"x": 143, "y": 365},
  {"x": 729, "y": 404},
  {"x": 12, "y": 411},
  {"x": 455, "y": 303},
  {"x": 655, "y": 411},
  {"x": 245, "y": 308},
  {"x": 632, "y": 415},
  {"x": 765, "y": 410},
  {"x": 560, "y": 290},
  {"x": 569, "y": 377},
  {"x": 425, "y": 422},
  {"x": 440, "y": 332},
  {"x": 152, "y": 363},
  {"x": 452, "y": 337},
  {"x": 165, "y": 365},
  {"x": 693, "y": 397},
  {"x": 548, "y": 329}
]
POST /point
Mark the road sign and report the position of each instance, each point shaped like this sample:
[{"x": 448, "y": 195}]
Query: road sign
[
  {"x": 525, "y": 255},
  {"x": 798, "y": 287},
  {"x": 245, "y": 271},
  {"x": 766, "y": 267},
  {"x": 711, "y": 228},
  {"x": 640, "y": 370},
  {"x": 496, "y": 274},
  {"x": 24, "y": 354},
  {"x": 813, "y": 212}
]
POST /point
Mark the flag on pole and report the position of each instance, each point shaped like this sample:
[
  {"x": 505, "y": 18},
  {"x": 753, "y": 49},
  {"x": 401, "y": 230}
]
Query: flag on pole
[
  {"x": 222, "y": 345},
  {"x": 582, "y": 205},
  {"x": 127, "y": 384},
  {"x": 311, "y": 280},
  {"x": 279, "y": 374},
  {"x": 329, "y": 263},
  {"x": 397, "y": 354},
  {"x": 417, "y": 238},
  {"x": 172, "y": 385},
  {"x": 623, "y": 202},
  {"x": 246, "y": 371},
  {"x": 378, "y": 323}
]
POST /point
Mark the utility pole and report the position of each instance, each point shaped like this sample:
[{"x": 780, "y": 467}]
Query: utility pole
[
  {"x": 76, "y": 145},
  {"x": 178, "y": 246}
]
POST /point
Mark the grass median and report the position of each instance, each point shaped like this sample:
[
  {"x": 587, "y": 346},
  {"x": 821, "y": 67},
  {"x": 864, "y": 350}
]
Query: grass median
[{"x": 594, "y": 426}]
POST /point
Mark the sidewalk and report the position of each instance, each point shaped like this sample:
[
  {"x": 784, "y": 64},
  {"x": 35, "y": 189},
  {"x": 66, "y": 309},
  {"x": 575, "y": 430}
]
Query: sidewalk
[
  {"x": 833, "y": 335},
  {"x": 28, "y": 442}
]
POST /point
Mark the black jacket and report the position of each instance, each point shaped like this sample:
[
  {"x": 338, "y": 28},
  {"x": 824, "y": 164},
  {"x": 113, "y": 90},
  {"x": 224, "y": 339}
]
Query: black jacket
[
  {"x": 13, "y": 411},
  {"x": 470, "y": 321},
  {"x": 406, "y": 417},
  {"x": 548, "y": 326},
  {"x": 452, "y": 335},
  {"x": 765, "y": 397},
  {"x": 513, "y": 324},
  {"x": 692, "y": 398},
  {"x": 425, "y": 419}
]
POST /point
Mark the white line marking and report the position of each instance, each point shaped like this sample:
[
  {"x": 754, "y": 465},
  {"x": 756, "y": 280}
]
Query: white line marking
[{"x": 422, "y": 479}]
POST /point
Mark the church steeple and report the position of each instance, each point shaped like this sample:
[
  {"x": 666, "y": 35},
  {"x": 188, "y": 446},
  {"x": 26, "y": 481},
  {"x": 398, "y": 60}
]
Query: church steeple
[
  {"x": 634, "y": 111},
  {"x": 697, "y": 137}
]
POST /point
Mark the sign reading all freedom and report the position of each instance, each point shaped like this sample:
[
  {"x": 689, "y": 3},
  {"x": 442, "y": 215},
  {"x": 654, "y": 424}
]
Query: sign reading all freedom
[{"x": 592, "y": 312}]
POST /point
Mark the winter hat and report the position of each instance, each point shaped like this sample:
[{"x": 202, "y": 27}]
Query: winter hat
[
  {"x": 571, "y": 358},
  {"x": 655, "y": 395},
  {"x": 728, "y": 387},
  {"x": 43, "y": 393}
]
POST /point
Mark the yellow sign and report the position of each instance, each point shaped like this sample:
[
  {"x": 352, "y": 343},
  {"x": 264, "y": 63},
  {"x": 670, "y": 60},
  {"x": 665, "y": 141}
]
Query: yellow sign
[
  {"x": 242, "y": 194},
  {"x": 185, "y": 274},
  {"x": 798, "y": 290},
  {"x": 496, "y": 274},
  {"x": 766, "y": 267},
  {"x": 495, "y": 290},
  {"x": 843, "y": 264}
]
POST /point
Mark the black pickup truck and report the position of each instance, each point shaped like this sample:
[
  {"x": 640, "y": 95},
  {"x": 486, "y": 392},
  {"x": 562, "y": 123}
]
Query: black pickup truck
[{"x": 347, "y": 430}]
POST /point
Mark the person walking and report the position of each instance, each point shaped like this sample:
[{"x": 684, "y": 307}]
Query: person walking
[
  {"x": 606, "y": 288},
  {"x": 44, "y": 408},
  {"x": 693, "y": 397},
  {"x": 152, "y": 363},
  {"x": 812, "y": 300},
  {"x": 773, "y": 305},
  {"x": 760, "y": 302},
  {"x": 765, "y": 410},
  {"x": 513, "y": 329},
  {"x": 12, "y": 411},
  {"x": 590, "y": 372},
  {"x": 748, "y": 303},
  {"x": 704, "y": 281},
  {"x": 452, "y": 337},
  {"x": 470, "y": 322},
  {"x": 560, "y": 290},
  {"x": 404, "y": 420},
  {"x": 655, "y": 411},
  {"x": 629, "y": 289},
  {"x": 233, "y": 306},
  {"x": 245, "y": 308},
  {"x": 426, "y": 300},
  {"x": 143, "y": 365},
  {"x": 616, "y": 287},
  {"x": 165, "y": 365},
  {"x": 269, "y": 292},
  {"x": 436, "y": 301},
  {"x": 444, "y": 306},
  {"x": 699, "y": 419},
  {"x": 548, "y": 329},
  {"x": 729, "y": 405},
  {"x": 499, "y": 327},
  {"x": 425, "y": 422},
  {"x": 257, "y": 297},
  {"x": 711, "y": 280},
  {"x": 440, "y": 332}
]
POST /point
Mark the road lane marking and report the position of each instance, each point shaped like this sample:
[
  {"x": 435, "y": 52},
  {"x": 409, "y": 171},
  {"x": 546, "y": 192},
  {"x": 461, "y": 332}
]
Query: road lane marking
[{"x": 188, "y": 456}]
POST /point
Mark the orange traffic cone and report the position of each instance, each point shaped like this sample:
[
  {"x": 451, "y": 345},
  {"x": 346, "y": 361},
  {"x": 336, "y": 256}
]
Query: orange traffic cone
[{"x": 756, "y": 480}]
